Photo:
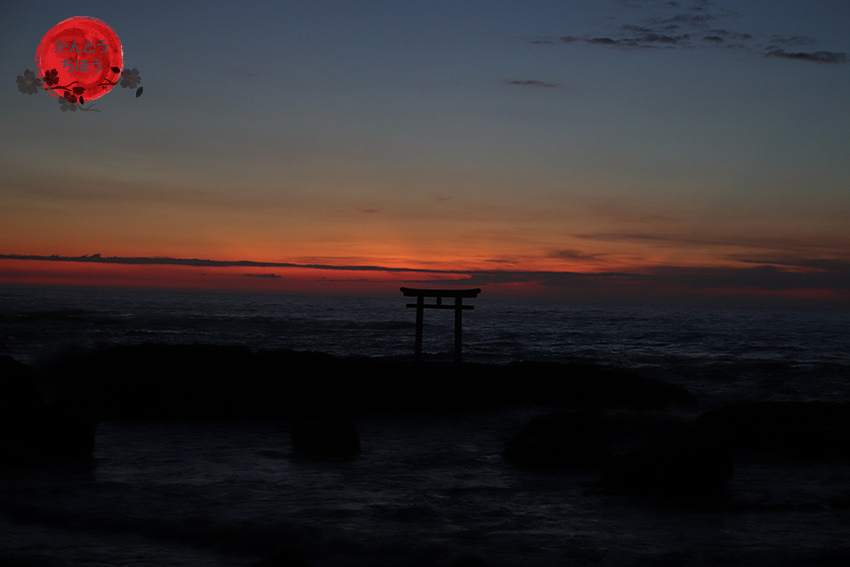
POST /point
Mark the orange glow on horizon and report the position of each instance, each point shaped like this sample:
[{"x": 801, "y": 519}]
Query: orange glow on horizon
[
  {"x": 497, "y": 281},
  {"x": 230, "y": 278}
]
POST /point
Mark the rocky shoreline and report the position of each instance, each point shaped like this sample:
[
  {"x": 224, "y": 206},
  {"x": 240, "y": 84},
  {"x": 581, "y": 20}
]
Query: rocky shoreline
[
  {"x": 641, "y": 434},
  {"x": 226, "y": 382}
]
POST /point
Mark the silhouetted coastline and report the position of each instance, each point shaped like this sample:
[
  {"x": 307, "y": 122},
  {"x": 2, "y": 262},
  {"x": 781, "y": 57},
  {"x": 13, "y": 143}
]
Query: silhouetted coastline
[
  {"x": 615, "y": 431},
  {"x": 153, "y": 381},
  {"x": 671, "y": 444}
]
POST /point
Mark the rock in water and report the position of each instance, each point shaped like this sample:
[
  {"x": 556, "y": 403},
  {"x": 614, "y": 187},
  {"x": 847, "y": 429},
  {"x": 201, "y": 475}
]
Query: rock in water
[
  {"x": 326, "y": 438},
  {"x": 23, "y": 416},
  {"x": 31, "y": 433},
  {"x": 284, "y": 558},
  {"x": 686, "y": 464},
  {"x": 802, "y": 430},
  {"x": 566, "y": 439}
]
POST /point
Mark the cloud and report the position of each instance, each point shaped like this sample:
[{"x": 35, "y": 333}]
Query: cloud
[
  {"x": 759, "y": 277},
  {"x": 808, "y": 264},
  {"x": 531, "y": 83},
  {"x": 673, "y": 239},
  {"x": 663, "y": 281},
  {"x": 778, "y": 245},
  {"x": 667, "y": 283},
  {"x": 815, "y": 56},
  {"x": 652, "y": 38},
  {"x": 688, "y": 20},
  {"x": 644, "y": 3},
  {"x": 726, "y": 35},
  {"x": 793, "y": 40},
  {"x": 775, "y": 276},
  {"x": 575, "y": 255},
  {"x": 669, "y": 25},
  {"x": 602, "y": 41},
  {"x": 165, "y": 261}
]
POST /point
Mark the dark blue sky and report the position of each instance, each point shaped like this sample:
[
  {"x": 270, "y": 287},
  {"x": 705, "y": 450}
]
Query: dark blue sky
[{"x": 523, "y": 137}]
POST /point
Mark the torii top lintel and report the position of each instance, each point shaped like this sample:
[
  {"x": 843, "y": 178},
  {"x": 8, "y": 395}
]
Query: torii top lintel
[{"x": 413, "y": 292}]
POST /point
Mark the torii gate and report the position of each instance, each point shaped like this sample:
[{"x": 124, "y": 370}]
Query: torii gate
[{"x": 420, "y": 305}]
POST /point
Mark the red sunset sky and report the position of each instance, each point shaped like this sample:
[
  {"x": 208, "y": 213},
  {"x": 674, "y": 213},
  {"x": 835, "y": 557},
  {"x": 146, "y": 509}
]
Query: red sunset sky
[{"x": 625, "y": 150}]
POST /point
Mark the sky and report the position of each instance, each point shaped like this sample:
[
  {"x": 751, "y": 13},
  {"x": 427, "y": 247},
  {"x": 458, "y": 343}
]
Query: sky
[{"x": 614, "y": 149}]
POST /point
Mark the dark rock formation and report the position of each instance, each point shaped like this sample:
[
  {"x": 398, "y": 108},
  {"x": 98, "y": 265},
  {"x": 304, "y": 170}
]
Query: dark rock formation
[
  {"x": 23, "y": 416},
  {"x": 158, "y": 381},
  {"x": 656, "y": 453},
  {"x": 326, "y": 438},
  {"x": 31, "y": 433},
  {"x": 585, "y": 386},
  {"x": 589, "y": 438},
  {"x": 637, "y": 452},
  {"x": 468, "y": 561},
  {"x": 684, "y": 464},
  {"x": 801, "y": 430},
  {"x": 230, "y": 382},
  {"x": 702, "y": 460},
  {"x": 72, "y": 427},
  {"x": 284, "y": 558},
  {"x": 567, "y": 439},
  {"x": 631, "y": 430}
]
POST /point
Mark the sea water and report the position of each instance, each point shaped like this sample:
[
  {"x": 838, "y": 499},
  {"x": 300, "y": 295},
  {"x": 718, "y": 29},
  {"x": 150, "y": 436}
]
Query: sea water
[
  {"x": 722, "y": 354},
  {"x": 427, "y": 489}
]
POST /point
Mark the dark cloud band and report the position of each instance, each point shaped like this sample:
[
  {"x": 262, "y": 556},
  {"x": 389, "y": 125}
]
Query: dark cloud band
[
  {"x": 765, "y": 275},
  {"x": 687, "y": 26}
]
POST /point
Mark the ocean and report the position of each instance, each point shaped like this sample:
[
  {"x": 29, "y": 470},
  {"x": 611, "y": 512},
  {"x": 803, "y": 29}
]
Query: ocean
[{"x": 428, "y": 489}]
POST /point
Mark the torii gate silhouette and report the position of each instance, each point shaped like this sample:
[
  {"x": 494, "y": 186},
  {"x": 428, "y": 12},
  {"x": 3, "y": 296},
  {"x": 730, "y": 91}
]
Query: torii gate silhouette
[{"x": 420, "y": 305}]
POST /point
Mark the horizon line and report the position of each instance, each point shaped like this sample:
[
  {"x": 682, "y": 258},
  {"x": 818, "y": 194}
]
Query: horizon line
[{"x": 805, "y": 280}]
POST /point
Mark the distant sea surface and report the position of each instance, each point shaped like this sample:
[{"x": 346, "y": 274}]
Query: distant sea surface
[
  {"x": 427, "y": 489},
  {"x": 728, "y": 353}
]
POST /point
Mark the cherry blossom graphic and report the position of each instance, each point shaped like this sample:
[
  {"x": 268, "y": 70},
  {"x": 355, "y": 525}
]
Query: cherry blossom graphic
[
  {"x": 130, "y": 78},
  {"x": 51, "y": 77},
  {"x": 79, "y": 59},
  {"x": 66, "y": 105},
  {"x": 28, "y": 83}
]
